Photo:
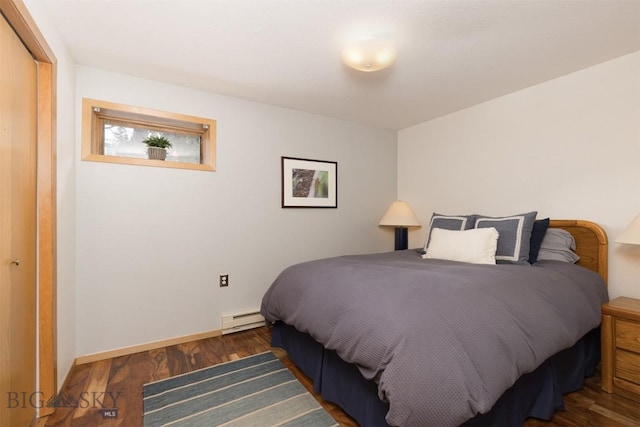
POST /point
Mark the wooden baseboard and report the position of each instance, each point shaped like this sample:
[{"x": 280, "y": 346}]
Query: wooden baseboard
[{"x": 81, "y": 360}]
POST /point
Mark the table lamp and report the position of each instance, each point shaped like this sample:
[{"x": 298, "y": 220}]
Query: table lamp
[
  {"x": 631, "y": 234},
  {"x": 400, "y": 215}
]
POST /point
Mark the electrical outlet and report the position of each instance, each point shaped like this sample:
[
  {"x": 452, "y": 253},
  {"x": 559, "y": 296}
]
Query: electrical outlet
[{"x": 224, "y": 280}]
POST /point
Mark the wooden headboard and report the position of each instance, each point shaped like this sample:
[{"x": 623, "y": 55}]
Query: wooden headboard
[{"x": 591, "y": 243}]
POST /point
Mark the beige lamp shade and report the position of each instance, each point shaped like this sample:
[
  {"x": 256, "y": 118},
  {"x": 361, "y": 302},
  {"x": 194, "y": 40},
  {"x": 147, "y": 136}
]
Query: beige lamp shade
[
  {"x": 631, "y": 234},
  {"x": 400, "y": 214}
]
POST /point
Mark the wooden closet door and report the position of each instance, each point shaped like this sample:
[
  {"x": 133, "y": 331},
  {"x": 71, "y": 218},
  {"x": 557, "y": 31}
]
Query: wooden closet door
[{"x": 18, "y": 223}]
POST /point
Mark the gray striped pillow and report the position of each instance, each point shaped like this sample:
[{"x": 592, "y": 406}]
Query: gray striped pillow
[
  {"x": 515, "y": 235},
  {"x": 449, "y": 222}
]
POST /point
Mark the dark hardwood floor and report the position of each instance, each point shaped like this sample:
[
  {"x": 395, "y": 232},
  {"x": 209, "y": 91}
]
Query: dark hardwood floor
[{"x": 121, "y": 379}]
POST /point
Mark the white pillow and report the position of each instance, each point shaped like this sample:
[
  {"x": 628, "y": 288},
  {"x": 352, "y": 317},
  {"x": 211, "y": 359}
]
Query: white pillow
[{"x": 477, "y": 246}]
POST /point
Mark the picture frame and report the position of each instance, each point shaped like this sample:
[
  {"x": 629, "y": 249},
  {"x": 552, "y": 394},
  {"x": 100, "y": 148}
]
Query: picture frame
[{"x": 309, "y": 183}]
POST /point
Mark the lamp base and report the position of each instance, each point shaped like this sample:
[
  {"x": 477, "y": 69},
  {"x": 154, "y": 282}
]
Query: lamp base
[{"x": 402, "y": 238}]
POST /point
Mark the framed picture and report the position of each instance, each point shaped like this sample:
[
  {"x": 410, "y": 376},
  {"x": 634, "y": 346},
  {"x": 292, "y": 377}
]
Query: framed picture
[{"x": 309, "y": 183}]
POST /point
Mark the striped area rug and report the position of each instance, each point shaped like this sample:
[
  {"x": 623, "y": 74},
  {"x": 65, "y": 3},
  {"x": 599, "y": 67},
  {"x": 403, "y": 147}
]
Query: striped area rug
[{"x": 254, "y": 391}]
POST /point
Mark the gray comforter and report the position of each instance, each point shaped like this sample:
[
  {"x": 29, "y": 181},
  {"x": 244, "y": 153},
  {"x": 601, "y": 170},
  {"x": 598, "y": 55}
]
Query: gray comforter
[{"x": 442, "y": 339}]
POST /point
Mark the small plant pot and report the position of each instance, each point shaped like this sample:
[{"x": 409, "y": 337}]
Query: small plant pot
[{"x": 157, "y": 153}]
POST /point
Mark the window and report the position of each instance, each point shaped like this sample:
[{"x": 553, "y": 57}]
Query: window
[{"x": 114, "y": 133}]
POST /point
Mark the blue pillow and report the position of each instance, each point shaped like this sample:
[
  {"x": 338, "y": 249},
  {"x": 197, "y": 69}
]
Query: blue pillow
[
  {"x": 537, "y": 234},
  {"x": 515, "y": 235},
  {"x": 449, "y": 222}
]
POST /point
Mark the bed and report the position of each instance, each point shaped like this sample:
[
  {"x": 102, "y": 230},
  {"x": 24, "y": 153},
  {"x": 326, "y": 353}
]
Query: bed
[{"x": 477, "y": 345}]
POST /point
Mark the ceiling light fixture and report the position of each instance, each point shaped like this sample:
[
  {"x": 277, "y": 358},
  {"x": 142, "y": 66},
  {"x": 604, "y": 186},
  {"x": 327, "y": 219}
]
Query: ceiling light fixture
[{"x": 369, "y": 54}]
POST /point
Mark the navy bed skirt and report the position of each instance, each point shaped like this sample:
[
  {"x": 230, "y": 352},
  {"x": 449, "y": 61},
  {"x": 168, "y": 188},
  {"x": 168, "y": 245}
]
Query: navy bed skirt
[{"x": 537, "y": 394}]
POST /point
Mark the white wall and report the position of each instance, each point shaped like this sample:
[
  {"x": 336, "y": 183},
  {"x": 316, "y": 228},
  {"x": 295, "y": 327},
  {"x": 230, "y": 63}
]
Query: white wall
[
  {"x": 568, "y": 148},
  {"x": 153, "y": 241},
  {"x": 65, "y": 182}
]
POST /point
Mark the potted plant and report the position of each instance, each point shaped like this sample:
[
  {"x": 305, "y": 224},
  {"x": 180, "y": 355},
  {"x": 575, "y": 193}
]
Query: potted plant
[{"x": 157, "y": 146}]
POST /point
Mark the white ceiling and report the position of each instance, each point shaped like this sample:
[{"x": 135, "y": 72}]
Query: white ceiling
[{"x": 452, "y": 54}]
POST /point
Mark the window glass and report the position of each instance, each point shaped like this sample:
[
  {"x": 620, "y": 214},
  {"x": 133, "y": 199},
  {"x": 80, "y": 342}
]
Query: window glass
[{"x": 126, "y": 141}]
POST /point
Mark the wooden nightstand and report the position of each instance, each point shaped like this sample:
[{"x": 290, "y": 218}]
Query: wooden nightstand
[{"x": 621, "y": 347}]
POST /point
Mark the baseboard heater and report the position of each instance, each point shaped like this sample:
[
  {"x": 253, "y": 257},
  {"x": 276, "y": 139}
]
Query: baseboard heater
[{"x": 241, "y": 321}]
